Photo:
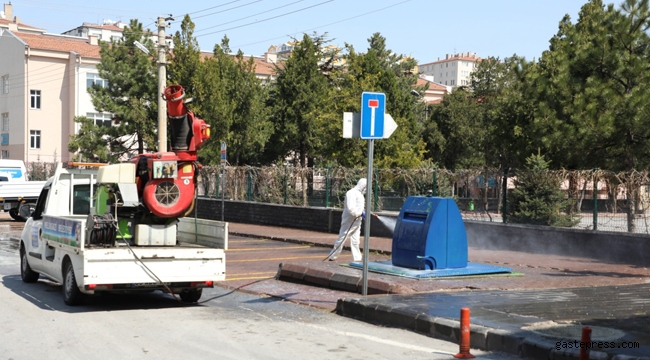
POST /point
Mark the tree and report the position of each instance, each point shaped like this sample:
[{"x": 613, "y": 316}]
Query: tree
[
  {"x": 537, "y": 198},
  {"x": 592, "y": 91},
  {"x": 378, "y": 70},
  {"x": 232, "y": 100},
  {"x": 186, "y": 57},
  {"x": 455, "y": 133},
  {"x": 297, "y": 100},
  {"x": 131, "y": 96}
]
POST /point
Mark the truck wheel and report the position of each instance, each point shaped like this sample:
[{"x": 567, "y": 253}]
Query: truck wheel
[
  {"x": 71, "y": 294},
  {"x": 191, "y": 296},
  {"x": 14, "y": 214},
  {"x": 26, "y": 273}
]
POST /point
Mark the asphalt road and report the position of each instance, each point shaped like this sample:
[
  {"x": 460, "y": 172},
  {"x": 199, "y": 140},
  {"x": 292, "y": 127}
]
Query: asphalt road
[{"x": 228, "y": 324}]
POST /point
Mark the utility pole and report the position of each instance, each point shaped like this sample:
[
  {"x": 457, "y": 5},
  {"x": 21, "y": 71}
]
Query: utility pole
[{"x": 162, "y": 83}]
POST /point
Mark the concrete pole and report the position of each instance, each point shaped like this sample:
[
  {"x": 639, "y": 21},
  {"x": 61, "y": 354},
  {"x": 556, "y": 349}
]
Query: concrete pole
[{"x": 162, "y": 83}]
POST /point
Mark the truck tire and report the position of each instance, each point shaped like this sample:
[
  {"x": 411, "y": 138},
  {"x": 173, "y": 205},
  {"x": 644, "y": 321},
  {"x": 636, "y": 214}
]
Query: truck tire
[
  {"x": 191, "y": 296},
  {"x": 26, "y": 273},
  {"x": 14, "y": 214},
  {"x": 71, "y": 294}
]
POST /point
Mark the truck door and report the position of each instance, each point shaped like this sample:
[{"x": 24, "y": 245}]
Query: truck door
[{"x": 35, "y": 245}]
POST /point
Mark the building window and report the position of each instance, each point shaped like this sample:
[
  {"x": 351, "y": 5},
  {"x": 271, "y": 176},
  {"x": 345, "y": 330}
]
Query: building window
[
  {"x": 34, "y": 139},
  {"x": 100, "y": 119},
  {"x": 5, "y": 122},
  {"x": 94, "y": 79},
  {"x": 5, "y": 154},
  {"x": 35, "y": 99},
  {"x": 5, "y": 84}
]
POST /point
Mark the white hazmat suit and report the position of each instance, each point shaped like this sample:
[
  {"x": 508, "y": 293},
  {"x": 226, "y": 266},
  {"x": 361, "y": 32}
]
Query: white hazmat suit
[{"x": 351, "y": 221}]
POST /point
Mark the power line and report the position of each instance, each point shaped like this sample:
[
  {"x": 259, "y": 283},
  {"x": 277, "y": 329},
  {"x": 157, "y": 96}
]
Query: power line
[
  {"x": 246, "y": 17},
  {"x": 267, "y": 19},
  {"x": 321, "y": 26},
  {"x": 222, "y": 11},
  {"x": 214, "y": 7}
]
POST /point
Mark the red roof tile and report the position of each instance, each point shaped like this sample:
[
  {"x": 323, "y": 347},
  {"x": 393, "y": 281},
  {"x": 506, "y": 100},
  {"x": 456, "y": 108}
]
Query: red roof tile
[
  {"x": 6, "y": 23},
  {"x": 432, "y": 85},
  {"x": 261, "y": 66},
  {"x": 59, "y": 43}
]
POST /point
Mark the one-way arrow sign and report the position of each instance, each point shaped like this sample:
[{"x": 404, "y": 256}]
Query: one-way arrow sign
[
  {"x": 352, "y": 126},
  {"x": 389, "y": 126}
]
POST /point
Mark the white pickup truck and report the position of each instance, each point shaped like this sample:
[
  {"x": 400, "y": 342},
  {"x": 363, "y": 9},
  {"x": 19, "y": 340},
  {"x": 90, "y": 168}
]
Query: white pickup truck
[
  {"x": 90, "y": 233},
  {"x": 17, "y": 195}
]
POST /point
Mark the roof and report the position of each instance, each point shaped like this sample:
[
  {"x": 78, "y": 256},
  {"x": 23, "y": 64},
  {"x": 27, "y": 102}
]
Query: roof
[
  {"x": 5, "y": 23},
  {"x": 105, "y": 27},
  {"x": 432, "y": 85},
  {"x": 261, "y": 66},
  {"x": 59, "y": 43},
  {"x": 461, "y": 57}
]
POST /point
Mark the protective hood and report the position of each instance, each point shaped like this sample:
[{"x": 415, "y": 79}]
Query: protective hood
[{"x": 361, "y": 185}]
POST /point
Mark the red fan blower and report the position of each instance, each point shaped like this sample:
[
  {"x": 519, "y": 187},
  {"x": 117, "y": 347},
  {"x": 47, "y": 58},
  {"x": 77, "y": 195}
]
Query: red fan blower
[{"x": 166, "y": 181}]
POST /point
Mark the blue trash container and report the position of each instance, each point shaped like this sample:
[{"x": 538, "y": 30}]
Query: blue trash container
[{"x": 429, "y": 234}]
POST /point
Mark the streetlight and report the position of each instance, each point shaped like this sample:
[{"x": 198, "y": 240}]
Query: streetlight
[{"x": 426, "y": 107}]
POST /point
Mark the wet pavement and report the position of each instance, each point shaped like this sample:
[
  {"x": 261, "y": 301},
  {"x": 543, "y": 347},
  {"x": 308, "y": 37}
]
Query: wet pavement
[
  {"x": 554, "y": 291},
  {"x": 549, "y": 290}
]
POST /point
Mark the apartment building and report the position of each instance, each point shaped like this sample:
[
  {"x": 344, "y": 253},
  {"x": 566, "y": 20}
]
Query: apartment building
[
  {"x": 454, "y": 70},
  {"x": 107, "y": 31},
  {"x": 43, "y": 85}
]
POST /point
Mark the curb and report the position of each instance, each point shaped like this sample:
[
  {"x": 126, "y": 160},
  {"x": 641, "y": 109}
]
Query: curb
[
  {"x": 324, "y": 278},
  {"x": 519, "y": 343}
]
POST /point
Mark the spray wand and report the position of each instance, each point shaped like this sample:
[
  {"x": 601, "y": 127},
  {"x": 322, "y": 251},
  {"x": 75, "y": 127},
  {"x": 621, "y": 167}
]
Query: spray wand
[{"x": 346, "y": 236}]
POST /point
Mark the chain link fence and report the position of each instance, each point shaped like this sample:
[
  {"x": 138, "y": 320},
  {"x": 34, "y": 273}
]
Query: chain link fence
[{"x": 597, "y": 199}]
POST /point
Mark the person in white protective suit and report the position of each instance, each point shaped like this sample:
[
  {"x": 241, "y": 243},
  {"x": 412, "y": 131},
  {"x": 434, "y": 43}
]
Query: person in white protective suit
[{"x": 351, "y": 221}]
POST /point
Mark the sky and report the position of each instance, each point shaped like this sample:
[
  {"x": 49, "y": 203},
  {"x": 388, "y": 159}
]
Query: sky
[{"x": 424, "y": 29}]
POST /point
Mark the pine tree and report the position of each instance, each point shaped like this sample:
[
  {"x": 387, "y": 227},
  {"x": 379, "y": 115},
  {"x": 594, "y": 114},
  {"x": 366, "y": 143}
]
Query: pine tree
[
  {"x": 131, "y": 96},
  {"x": 537, "y": 198}
]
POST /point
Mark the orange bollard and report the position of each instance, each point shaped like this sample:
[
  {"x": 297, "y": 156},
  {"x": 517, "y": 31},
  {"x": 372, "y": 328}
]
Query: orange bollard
[
  {"x": 464, "y": 336},
  {"x": 586, "y": 338}
]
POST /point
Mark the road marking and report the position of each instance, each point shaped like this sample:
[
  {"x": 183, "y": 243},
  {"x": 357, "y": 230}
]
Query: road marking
[
  {"x": 243, "y": 241},
  {"x": 273, "y": 248},
  {"x": 248, "y": 278},
  {"x": 256, "y": 273},
  {"x": 379, "y": 340},
  {"x": 286, "y": 258}
]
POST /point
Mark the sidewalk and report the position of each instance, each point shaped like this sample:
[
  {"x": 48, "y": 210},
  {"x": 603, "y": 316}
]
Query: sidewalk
[{"x": 531, "y": 314}]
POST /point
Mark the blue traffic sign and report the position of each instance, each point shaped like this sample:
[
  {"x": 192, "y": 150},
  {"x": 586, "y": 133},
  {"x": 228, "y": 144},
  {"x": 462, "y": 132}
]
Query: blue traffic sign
[{"x": 373, "y": 107}]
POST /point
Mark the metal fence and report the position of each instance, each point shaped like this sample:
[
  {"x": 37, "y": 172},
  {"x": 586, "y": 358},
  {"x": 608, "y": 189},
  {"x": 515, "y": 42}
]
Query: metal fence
[{"x": 598, "y": 199}]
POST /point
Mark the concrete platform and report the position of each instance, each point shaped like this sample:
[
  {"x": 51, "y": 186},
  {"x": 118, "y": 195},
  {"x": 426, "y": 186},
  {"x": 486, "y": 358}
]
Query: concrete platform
[{"x": 554, "y": 291}]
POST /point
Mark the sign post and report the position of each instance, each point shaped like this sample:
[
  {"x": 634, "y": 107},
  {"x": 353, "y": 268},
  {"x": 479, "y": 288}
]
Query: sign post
[
  {"x": 373, "y": 108},
  {"x": 373, "y": 123},
  {"x": 223, "y": 177}
]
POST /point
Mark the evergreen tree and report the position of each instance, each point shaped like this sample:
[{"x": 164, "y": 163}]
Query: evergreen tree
[
  {"x": 592, "y": 91},
  {"x": 231, "y": 99},
  {"x": 186, "y": 58},
  {"x": 537, "y": 198},
  {"x": 131, "y": 96},
  {"x": 298, "y": 98}
]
